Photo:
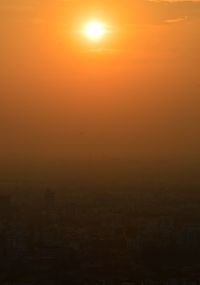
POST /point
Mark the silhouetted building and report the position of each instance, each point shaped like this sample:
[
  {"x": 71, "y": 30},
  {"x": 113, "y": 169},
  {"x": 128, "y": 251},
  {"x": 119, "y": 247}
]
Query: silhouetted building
[{"x": 49, "y": 205}]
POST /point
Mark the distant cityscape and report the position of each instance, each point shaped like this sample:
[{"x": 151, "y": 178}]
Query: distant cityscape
[{"x": 102, "y": 239}]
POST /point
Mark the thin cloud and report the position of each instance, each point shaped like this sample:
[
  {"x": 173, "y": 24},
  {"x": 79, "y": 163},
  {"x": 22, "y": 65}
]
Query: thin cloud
[
  {"x": 173, "y": 11},
  {"x": 129, "y": 12},
  {"x": 176, "y": 20}
]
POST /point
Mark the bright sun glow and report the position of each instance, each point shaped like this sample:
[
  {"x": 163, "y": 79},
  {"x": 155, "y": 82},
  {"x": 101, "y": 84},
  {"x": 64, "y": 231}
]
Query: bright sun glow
[{"x": 94, "y": 30}]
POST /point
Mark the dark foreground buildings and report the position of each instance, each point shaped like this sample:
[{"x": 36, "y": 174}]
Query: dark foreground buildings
[{"x": 102, "y": 239}]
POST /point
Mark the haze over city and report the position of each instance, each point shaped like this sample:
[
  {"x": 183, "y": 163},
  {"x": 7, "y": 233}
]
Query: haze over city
[{"x": 99, "y": 142}]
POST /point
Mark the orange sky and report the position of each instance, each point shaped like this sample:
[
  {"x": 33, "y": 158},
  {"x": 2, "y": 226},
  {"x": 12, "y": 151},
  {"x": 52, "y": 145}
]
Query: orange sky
[{"x": 133, "y": 95}]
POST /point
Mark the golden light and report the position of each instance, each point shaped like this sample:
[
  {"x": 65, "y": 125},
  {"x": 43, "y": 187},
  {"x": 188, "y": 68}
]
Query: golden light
[{"x": 95, "y": 30}]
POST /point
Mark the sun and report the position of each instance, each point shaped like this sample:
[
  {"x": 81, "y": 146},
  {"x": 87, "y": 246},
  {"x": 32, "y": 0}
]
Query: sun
[{"x": 94, "y": 30}]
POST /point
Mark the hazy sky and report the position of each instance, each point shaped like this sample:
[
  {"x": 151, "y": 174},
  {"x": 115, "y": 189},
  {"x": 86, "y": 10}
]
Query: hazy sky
[{"x": 136, "y": 94}]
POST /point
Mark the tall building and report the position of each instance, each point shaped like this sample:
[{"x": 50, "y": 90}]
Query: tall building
[{"x": 49, "y": 203}]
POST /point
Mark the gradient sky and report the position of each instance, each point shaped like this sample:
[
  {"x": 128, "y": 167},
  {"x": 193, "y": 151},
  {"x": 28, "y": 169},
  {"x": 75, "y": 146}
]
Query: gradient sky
[{"x": 133, "y": 95}]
